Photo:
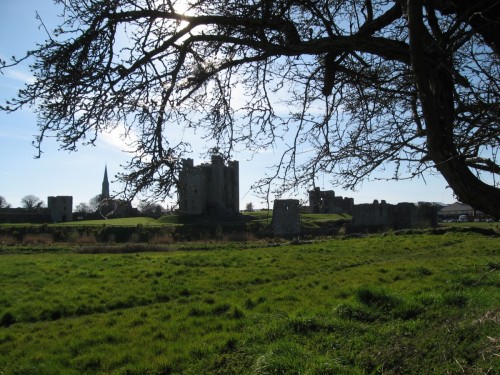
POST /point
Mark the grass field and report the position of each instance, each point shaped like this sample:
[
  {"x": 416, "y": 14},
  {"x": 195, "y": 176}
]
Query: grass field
[
  {"x": 128, "y": 221},
  {"x": 392, "y": 304}
]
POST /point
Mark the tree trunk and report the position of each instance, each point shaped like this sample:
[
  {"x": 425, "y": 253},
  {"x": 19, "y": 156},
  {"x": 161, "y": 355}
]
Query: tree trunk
[{"x": 435, "y": 86}]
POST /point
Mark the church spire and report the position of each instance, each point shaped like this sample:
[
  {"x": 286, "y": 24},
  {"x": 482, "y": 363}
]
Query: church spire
[{"x": 105, "y": 184}]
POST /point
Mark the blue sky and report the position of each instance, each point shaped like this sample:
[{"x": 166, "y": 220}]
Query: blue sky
[{"x": 80, "y": 173}]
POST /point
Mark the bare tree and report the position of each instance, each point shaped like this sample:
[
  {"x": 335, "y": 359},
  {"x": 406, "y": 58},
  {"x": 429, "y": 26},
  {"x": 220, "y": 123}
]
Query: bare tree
[
  {"x": 95, "y": 202},
  {"x": 347, "y": 87},
  {"x": 84, "y": 208},
  {"x": 31, "y": 202},
  {"x": 3, "y": 202},
  {"x": 104, "y": 206},
  {"x": 149, "y": 208},
  {"x": 249, "y": 207}
]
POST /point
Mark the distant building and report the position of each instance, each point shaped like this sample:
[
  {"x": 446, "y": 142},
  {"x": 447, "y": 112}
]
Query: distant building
[
  {"x": 209, "y": 189},
  {"x": 105, "y": 184},
  {"x": 457, "y": 209},
  {"x": 60, "y": 208}
]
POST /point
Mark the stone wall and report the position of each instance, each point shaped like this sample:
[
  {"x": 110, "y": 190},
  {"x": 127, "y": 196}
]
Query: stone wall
[
  {"x": 383, "y": 216},
  {"x": 22, "y": 215}
]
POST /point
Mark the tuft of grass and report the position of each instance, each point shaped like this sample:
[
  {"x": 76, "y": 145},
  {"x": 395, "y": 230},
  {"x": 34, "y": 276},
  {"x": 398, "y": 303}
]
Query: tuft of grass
[
  {"x": 377, "y": 298},
  {"x": 455, "y": 299},
  {"x": 283, "y": 357},
  {"x": 7, "y": 319}
]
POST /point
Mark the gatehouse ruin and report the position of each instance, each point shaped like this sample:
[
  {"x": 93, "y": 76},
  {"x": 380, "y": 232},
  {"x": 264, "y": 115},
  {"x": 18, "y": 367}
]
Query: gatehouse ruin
[{"x": 325, "y": 202}]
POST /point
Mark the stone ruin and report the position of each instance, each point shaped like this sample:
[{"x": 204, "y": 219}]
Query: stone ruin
[
  {"x": 60, "y": 208},
  {"x": 286, "y": 217},
  {"x": 382, "y": 216},
  {"x": 209, "y": 189},
  {"x": 325, "y": 202}
]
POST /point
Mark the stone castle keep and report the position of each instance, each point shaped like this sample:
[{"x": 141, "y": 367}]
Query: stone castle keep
[{"x": 209, "y": 189}]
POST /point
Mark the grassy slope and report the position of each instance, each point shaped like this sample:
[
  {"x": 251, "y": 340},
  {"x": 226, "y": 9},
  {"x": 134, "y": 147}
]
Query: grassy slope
[
  {"x": 394, "y": 304},
  {"x": 262, "y": 217}
]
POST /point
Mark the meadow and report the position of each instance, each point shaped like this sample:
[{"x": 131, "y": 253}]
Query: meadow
[{"x": 391, "y": 304}]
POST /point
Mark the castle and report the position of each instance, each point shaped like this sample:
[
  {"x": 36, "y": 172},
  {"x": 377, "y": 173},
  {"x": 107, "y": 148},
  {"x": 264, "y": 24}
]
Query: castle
[{"x": 209, "y": 189}]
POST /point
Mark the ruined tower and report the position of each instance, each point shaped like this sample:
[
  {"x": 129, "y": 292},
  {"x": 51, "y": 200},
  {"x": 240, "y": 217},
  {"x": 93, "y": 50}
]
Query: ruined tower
[
  {"x": 60, "y": 208},
  {"x": 209, "y": 188},
  {"x": 286, "y": 217},
  {"x": 105, "y": 184},
  {"x": 325, "y": 202}
]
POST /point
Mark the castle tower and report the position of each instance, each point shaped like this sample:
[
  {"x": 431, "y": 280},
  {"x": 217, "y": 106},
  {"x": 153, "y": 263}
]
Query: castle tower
[
  {"x": 105, "y": 184},
  {"x": 211, "y": 189}
]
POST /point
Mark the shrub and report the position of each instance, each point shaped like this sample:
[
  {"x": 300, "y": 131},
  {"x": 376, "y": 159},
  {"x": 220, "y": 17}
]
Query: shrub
[
  {"x": 162, "y": 238},
  {"x": 6, "y": 239},
  {"x": 85, "y": 239},
  {"x": 240, "y": 237},
  {"x": 38, "y": 238}
]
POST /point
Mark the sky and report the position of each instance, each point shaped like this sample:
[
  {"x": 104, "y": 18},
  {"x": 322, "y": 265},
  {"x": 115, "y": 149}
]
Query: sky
[{"x": 80, "y": 173}]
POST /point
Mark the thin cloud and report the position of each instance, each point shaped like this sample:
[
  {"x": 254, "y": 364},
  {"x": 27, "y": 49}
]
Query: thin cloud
[
  {"x": 20, "y": 75},
  {"x": 116, "y": 139}
]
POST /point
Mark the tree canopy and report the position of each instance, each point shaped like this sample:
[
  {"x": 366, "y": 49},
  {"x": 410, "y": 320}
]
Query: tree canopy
[
  {"x": 409, "y": 85},
  {"x": 31, "y": 202},
  {"x": 3, "y": 202}
]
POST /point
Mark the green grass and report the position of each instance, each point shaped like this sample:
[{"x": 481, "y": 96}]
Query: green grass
[
  {"x": 393, "y": 304},
  {"x": 307, "y": 220},
  {"x": 260, "y": 214},
  {"x": 128, "y": 221},
  {"x": 470, "y": 224},
  {"x": 322, "y": 220}
]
